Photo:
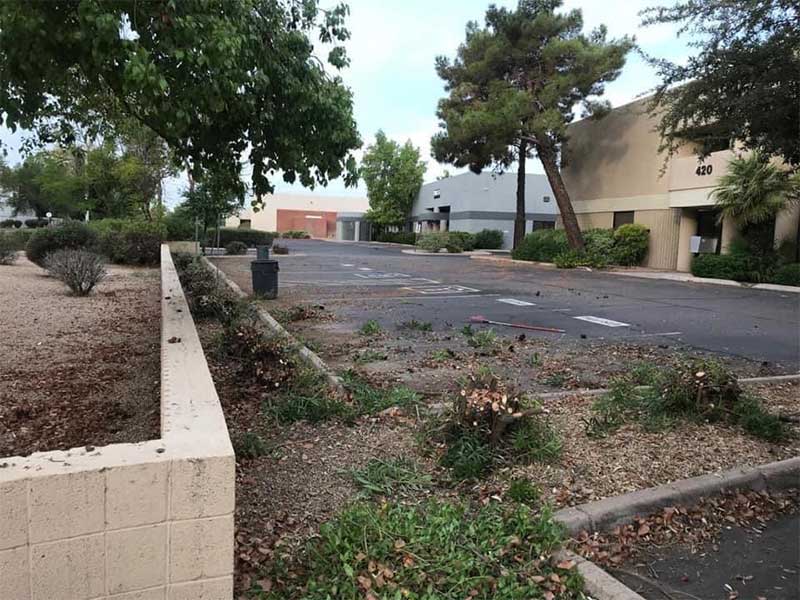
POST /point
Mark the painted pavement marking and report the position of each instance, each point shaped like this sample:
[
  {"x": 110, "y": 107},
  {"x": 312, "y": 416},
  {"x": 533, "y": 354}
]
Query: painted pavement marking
[
  {"x": 382, "y": 275},
  {"x": 515, "y": 302},
  {"x": 348, "y": 265},
  {"x": 441, "y": 289},
  {"x": 602, "y": 321},
  {"x": 364, "y": 269}
]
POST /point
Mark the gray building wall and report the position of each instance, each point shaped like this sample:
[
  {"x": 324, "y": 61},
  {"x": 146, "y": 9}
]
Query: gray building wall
[{"x": 485, "y": 201}]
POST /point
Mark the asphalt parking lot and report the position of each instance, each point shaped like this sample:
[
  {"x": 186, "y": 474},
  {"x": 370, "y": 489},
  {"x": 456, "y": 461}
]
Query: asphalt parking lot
[{"x": 360, "y": 282}]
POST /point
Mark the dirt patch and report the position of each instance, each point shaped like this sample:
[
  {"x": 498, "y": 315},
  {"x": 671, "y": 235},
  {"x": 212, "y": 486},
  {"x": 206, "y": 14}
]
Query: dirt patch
[{"x": 78, "y": 371}]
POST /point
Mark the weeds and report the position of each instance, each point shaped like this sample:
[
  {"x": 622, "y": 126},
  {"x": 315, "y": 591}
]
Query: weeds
[
  {"x": 368, "y": 356},
  {"x": 467, "y": 331},
  {"x": 555, "y": 380},
  {"x": 535, "y": 440},
  {"x": 534, "y": 360},
  {"x": 442, "y": 550},
  {"x": 388, "y": 477},
  {"x": 249, "y": 445},
  {"x": 468, "y": 456},
  {"x": 523, "y": 491},
  {"x": 312, "y": 408},
  {"x": 414, "y": 325},
  {"x": 368, "y": 399},
  {"x": 701, "y": 391},
  {"x": 370, "y": 328},
  {"x": 483, "y": 339},
  {"x": 442, "y": 355}
]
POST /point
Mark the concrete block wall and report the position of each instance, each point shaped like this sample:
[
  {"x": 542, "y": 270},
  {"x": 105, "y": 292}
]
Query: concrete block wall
[{"x": 145, "y": 521}]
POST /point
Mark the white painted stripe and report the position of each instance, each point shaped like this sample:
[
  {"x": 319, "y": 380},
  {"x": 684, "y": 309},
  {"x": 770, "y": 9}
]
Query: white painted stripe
[
  {"x": 562, "y": 310},
  {"x": 364, "y": 269},
  {"x": 661, "y": 334},
  {"x": 515, "y": 302},
  {"x": 348, "y": 265},
  {"x": 602, "y": 321}
]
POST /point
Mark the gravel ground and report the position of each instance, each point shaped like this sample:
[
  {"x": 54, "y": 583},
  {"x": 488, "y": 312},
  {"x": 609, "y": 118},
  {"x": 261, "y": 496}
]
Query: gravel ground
[{"x": 78, "y": 371}]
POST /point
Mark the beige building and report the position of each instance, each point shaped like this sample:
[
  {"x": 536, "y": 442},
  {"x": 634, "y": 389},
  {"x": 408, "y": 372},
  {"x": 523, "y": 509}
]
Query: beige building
[
  {"x": 314, "y": 214},
  {"x": 615, "y": 175}
]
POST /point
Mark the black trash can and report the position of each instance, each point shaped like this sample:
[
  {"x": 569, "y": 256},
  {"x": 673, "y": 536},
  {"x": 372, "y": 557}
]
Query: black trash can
[{"x": 265, "y": 278}]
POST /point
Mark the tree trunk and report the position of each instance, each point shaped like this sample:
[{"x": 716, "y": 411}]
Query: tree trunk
[
  {"x": 547, "y": 155},
  {"x": 519, "y": 218}
]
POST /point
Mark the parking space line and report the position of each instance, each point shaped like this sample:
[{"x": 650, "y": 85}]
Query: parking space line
[
  {"x": 348, "y": 265},
  {"x": 382, "y": 275},
  {"x": 515, "y": 302},
  {"x": 602, "y": 321},
  {"x": 364, "y": 269},
  {"x": 440, "y": 289}
]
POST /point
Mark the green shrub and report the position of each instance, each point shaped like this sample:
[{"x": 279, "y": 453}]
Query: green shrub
[
  {"x": 130, "y": 242},
  {"x": 453, "y": 248},
  {"x": 298, "y": 235},
  {"x": 702, "y": 391},
  {"x": 569, "y": 259},
  {"x": 787, "y": 275},
  {"x": 179, "y": 225},
  {"x": 250, "y": 237},
  {"x": 79, "y": 269},
  {"x": 737, "y": 267},
  {"x": 10, "y": 224},
  {"x": 489, "y": 239},
  {"x": 72, "y": 235},
  {"x": 631, "y": 242},
  {"x": 542, "y": 245},
  {"x": 397, "y": 237},
  {"x": 236, "y": 248},
  {"x": 434, "y": 550},
  {"x": 8, "y": 253},
  {"x": 36, "y": 223},
  {"x": 462, "y": 239},
  {"x": 599, "y": 242},
  {"x": 433, "y": 241},
  {"x": 16, "y": 238}
]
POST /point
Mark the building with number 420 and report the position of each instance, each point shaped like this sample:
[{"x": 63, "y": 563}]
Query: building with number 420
[{"x": 615, "y": 174}]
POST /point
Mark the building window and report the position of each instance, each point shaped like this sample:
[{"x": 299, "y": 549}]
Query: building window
[
  {"x": 244, "y": 224},
  {"x": 437, "y": 194},
  {"x": 624, "y": 217},
  {"x": 543, "y": 225},
  {"x": 545, "y": 198}
]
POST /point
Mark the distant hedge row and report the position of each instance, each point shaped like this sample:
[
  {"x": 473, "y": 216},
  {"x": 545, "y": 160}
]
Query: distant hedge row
[{"x": 627, "y": 245}]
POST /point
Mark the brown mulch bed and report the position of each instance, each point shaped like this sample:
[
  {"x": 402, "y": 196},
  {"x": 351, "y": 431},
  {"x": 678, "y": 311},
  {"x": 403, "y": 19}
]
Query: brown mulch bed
[
  {"x": 78, "y": 371},
  {"x": 632, "y": 459}
]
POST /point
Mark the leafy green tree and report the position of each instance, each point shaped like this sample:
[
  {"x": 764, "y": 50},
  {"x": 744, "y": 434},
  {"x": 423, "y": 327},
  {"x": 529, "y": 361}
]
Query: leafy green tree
[
  {"x": 752, "y": 192},
  {"x": 209, "y": 202},
  {"x": 513, "y": 87},
  {"x": 393, "y": 175},
  {"x": 48, "y": 181},
  {"x": 215, "y": 80},
  {"x": 743, "y": 84}
]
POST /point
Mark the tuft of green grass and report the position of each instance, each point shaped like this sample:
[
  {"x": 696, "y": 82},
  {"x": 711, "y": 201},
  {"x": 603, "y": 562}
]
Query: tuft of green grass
[
  {"x": 555, "y": 380},
  {"x": 536, "y": 440},
  {"x": 368, "y": 356},
  {"x": 313, "y": 408},
  {"x": 387, "y": 477},
  {"x": 483, "y": 339},
  {"x": 534, "y": 360},
  {"x": 249, "y": 445},
  {"x": 751, "y": 416},
  {"x": 468, "y": 456},
  {"x": 368, "y": 399},
  {"x": 523, "y": 491},
  {"x": 442, "y": 355},
  {"x": 467, "y": 331},
  {"x": 371, "y": 327},
  {"x": 441, "y": 550},
  {"x": 415, "y": 325}
]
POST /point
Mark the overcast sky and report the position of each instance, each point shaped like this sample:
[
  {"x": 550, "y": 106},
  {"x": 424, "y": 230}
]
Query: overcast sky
[{"x": 392, "y": 51}]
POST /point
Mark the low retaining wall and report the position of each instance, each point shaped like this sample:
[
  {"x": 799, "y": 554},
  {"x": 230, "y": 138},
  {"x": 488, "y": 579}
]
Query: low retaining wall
[{"x": 145, "y": 521}]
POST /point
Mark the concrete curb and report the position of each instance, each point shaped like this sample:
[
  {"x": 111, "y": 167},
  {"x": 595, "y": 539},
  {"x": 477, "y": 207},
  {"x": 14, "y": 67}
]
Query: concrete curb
[
  {"x": 470, "y": 253},
  {"x": 597, "y": 582},
  {"x": 610, "y": 512},
  {"x": 309, "y": 357},
  {"x": 666, "y": 276}
]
